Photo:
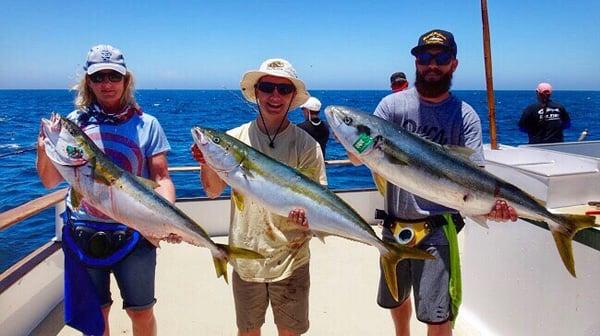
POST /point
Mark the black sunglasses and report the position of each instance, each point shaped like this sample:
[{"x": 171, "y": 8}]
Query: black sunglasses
[
  {"x": 99, "y": 77},
  {"x": 443, "y": 58},
  {"x": 284, "y": 89}
]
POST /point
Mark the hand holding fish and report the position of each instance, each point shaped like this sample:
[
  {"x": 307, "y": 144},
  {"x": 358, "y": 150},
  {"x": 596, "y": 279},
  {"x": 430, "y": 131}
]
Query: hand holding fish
[
  {"x": 173, "y": 239},
  {"x": 298, "y": 216},
  {"x": 502, "y": 212}
]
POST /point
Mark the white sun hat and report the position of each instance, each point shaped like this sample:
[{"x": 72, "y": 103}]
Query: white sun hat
[
  {"x": 105, "y": 57},
  {"x": 274, "y": 67},
  {"x": 312, "y": 104}
]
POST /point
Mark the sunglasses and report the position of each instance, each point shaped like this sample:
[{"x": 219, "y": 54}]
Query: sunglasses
[
  {"x": 284, "y": 89},
  {"x": 443, "y": 58},
  {"x": 99, "y": 77}
]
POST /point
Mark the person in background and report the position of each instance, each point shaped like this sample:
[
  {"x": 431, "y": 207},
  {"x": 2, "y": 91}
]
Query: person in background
[
  {"x": 282, "y": 278},
  {"x": 431, "y": 111},
  {"x": 106, "y": 110},
  {"x": 545, "y": 120},
  {"x": 312, "y": 124},
  {"x": 398, "y": 82}
]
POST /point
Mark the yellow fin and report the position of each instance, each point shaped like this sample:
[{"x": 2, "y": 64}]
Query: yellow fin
[
  {"x": 232, "y": 252},
  {"x": 75, "y": 199},
  {"x": 147, "y": 182},
  {"x": 563, "y": 234},
  {"x": 309, "y": 171},
  {"x": 221, "y": 268},
  {"x": 238, "y": 199},
  {"x": 381, "y": 184},
  {"x": 390, "y": 259}
]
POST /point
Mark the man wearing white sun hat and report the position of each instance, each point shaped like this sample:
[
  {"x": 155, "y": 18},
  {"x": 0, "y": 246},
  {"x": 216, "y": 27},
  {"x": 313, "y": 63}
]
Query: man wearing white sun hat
[{"x": 283, "y": 277}]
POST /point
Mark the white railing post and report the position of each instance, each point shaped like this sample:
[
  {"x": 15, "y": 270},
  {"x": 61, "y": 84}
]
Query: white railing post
[{"x": 59, "y": 208}]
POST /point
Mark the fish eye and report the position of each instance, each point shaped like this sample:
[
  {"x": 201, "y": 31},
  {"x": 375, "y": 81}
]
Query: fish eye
[
  {"x": 216, "y": 140},
  {"x": 347, "y": 120}
]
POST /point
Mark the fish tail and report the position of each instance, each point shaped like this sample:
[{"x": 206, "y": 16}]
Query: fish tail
[
  {"x": 565, "y": 228},
  {"x": 390, "y": 259},
  {"x": 232, "y": 252}
]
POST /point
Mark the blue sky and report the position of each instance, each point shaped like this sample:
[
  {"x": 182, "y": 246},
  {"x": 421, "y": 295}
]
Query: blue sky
[{"x": 332, "y": 44}]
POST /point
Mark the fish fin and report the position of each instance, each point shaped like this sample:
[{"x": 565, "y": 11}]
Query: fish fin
[
  {"x": 147, "y": 182},
  {"x": 464, "y": 152},
  {"x": 238, "y": 200},
  {"x": 390, "y": 259},
  {"x": 154, "y": 241},
  {"x": 481, "y": 220},
  {"x": 540, "y": 201},
  {"x": 247, "y": 172},
  {"x": 97, "y": 177},
  {"x": 381, "y": 183},
  {"x": 309, "y": 172},
  {"x": 238, "y": 252},
  {"x": 221, "y": 268},
  {"x": 564, "y": 229},
  {"x": 320, "y": 235},
  {"x": 232, "y": 252},
  {"x": 395, "y": 160},
  {"x": 76, "y": 198}
]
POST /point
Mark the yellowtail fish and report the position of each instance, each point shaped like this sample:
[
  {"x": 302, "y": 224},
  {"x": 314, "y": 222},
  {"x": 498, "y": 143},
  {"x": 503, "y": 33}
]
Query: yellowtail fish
[
  {"x": 444, "y": 175},
  {"x": 280, "y": 189},
  {"x": 122, "y": 196}
]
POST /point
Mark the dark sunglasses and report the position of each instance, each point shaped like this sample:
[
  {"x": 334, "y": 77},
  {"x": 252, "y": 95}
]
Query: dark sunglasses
[
  {"x": 284, "y": 89},
  {"x": 443, "y": 58},
  {"x": 99, "y": 77}
]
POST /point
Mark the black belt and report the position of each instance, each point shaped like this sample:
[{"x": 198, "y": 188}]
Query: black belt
[
  {"x": 434, "y": 222},
  {"x": 388, "y": 220}
]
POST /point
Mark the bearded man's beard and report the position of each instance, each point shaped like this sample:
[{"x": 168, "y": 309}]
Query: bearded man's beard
[{"x": 433, "y": 89}]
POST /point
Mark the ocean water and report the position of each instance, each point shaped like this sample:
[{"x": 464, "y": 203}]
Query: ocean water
[{"x": 178, "y": 110}]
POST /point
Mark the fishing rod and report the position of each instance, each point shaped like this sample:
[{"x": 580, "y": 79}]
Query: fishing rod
[
  {"x": 19, "y": 151},
  {"x": 252, "y": 106}
]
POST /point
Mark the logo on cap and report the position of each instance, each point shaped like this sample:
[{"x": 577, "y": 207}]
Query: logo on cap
[
  {"x": 276, "y": 65},
  {"x": 434, "y": 38},
  {"x": 106, "y": 55}
]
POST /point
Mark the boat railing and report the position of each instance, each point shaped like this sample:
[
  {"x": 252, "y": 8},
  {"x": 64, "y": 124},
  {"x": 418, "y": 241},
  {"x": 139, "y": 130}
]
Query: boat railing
[{"x": 31, "y": 208}]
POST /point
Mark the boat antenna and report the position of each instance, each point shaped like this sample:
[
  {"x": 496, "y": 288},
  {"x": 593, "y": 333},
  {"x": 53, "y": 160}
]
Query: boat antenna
[{"x": 489, "y": 82}]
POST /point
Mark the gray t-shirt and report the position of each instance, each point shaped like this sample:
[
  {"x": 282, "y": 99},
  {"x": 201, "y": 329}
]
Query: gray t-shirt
[{"x": 451, "y": 122}]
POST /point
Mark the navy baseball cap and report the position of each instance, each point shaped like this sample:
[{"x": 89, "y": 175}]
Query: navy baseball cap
[{"x": 436, "y": 37}]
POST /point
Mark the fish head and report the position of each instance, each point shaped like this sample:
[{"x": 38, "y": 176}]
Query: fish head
[
  {"x": 352, "y": 128},
  {"x": 220, "y": 150},
  {"x": 61, "y": 141}
]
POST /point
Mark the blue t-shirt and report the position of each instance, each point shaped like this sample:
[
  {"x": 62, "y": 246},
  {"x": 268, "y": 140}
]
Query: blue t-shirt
[
  {"x": 128, "y": 144},
  {"x": 450, "y": 122}
]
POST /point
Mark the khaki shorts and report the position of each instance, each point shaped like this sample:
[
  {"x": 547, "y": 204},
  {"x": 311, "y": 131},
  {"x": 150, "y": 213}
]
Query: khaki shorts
[{"x": 288, "y": 297}]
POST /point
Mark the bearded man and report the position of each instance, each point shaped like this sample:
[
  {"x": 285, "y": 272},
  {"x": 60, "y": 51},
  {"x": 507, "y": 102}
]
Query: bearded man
[{"x": 432, "y": 112}]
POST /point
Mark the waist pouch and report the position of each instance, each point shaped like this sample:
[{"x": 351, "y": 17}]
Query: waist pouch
[{"x": 100, "y": 243}]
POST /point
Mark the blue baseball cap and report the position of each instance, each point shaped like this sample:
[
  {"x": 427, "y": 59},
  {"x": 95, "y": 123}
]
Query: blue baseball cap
[{"x": 105, "y": 57}]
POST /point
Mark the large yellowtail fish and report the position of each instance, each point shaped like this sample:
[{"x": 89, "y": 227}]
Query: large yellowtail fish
[
  {"x": 444, "y": 174},
  {"x": 280, "y": 189},
  {"x": 122, "y": 196}
]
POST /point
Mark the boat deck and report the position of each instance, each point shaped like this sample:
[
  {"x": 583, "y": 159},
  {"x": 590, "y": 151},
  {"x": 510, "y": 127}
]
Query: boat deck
[{"x": 192, "y": 301}]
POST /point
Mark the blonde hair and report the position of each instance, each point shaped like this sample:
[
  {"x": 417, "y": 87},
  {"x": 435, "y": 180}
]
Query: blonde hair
[{"x": 85, "y": 96}]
